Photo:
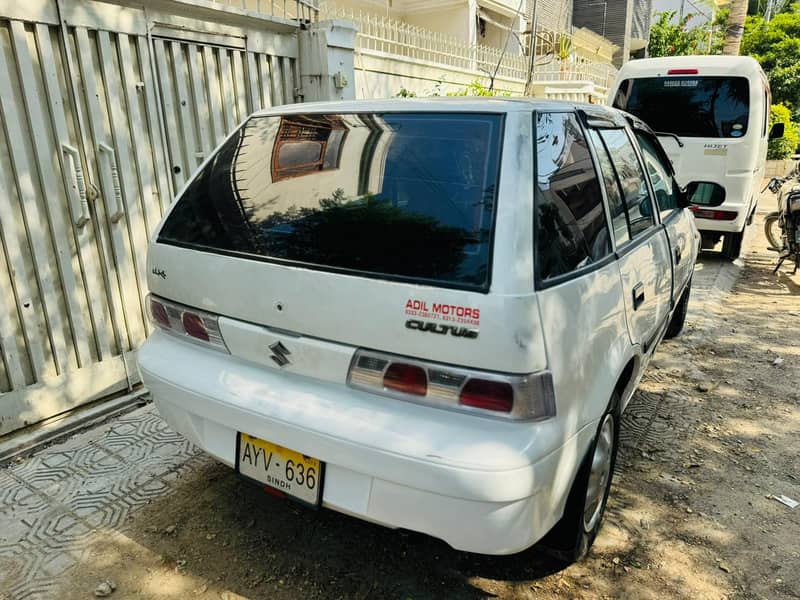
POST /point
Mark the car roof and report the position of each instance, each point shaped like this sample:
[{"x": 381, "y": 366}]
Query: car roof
[
  {"x": 437, "y": 104},
  {"x": 707, "y": 65}
]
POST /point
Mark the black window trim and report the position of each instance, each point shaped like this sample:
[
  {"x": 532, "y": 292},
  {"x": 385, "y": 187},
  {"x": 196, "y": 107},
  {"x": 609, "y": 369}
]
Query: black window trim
[
  {"x": 632, "y": 243},
  {"x": 606, "y": 205},
  {"x": 631, "y": 238},
  {"x": 538, "y": 283},
  {"x": 482, "y": 289}
]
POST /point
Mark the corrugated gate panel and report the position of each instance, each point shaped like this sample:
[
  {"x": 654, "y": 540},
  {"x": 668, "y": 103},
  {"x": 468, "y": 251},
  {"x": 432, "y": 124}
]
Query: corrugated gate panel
[
  {"x": 207, "y": 90},
  {"x": 99, "y": 125}
]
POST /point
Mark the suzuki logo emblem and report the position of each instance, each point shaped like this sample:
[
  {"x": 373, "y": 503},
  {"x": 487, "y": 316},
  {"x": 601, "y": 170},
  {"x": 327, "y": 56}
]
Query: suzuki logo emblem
[{"x": 279, "y": 354}]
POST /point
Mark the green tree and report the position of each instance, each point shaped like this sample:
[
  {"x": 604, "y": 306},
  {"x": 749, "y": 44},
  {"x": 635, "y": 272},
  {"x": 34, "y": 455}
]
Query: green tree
[
  {"x": 782, "y": 147},
  {"x": 776, "y": 45},
  {"x": 668, "y": 38}
]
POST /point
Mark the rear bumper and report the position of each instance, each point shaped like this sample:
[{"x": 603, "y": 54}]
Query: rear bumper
[
  {"x": 480, "y": 485},
  {"x": 739, "y": 199}
]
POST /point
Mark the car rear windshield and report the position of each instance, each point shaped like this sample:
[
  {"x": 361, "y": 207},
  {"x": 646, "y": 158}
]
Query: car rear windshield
[
  {"x": 707, "y": 107},
  {"x": 408, "y": 196}
]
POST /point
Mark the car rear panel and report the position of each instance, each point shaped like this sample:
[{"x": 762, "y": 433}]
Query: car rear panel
[
  {"x": 487, "y": 321},
  {"x": 266, "y": 302}
]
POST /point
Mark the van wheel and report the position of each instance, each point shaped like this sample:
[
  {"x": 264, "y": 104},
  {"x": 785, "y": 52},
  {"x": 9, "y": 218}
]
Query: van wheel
[
  {"x": 732, "y": 245},
  {"x": 679, "y": 316},
  {"x": 570, "y": 539}
]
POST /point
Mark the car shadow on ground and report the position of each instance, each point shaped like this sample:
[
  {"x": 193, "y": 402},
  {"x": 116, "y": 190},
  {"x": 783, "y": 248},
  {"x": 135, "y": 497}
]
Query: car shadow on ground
[{"x": 235, "y": 536}]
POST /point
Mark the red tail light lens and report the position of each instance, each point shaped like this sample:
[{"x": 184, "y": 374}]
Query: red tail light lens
[
  {"x": 682, "y": 72},
  {"x": 194, "y": 326},
  {"x": 159, "y": 313},
  {"x": 183, "y": 321},
  {"x": 524, "y": 397},
  {"x": 489, "y": 395},
  {"x": 408, "y": 379},
  {"x": 716, "y": 215}
]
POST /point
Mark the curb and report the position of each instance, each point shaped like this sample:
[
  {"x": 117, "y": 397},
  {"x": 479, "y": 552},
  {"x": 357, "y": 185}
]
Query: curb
[{"x": 60, "y": 426}]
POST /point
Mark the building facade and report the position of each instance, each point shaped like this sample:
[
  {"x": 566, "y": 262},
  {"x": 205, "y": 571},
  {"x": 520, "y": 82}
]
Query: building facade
[
  {"x": 436, "y": 48},
  {"x": 626, "y": 23}
]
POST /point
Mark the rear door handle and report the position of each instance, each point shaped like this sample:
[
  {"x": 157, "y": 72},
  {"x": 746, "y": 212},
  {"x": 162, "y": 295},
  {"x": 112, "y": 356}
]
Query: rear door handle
[
  {"x": 677, "y": 255},
  {"x": 638, "y": 295}
]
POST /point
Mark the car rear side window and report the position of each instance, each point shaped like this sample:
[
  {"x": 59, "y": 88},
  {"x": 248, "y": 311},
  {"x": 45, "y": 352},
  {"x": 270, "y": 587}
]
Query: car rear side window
[
  {"x": 408, "y": 196},
  {"x": 571, "y": 226},
  {"x": 631, "y": 179},
  {"x": 616, "y": 204},
  {"x": 664, "y": 185}
]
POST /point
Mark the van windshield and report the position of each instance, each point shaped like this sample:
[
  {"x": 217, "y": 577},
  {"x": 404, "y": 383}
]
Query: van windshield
[
  {"x": 707, "y": 107},
  {"x": 408, "y": 196}
]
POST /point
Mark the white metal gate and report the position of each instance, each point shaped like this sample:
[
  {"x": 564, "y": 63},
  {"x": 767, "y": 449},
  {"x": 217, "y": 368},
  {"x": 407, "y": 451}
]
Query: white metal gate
[{"x": 104, "y": 112}]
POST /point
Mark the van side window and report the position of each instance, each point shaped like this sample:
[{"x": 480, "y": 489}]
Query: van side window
[
  {"x": 631, "y": 179},
  {"x": 616, "y": 204},
  {"x": 664, "y": 185},
  {"x": 570, "y": 222}
]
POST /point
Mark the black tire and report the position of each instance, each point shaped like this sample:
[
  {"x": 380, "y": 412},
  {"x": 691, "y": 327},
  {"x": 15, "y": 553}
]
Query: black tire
[
  {"x": 679, "y": 316},
  {"x": 772, "y": 230},
  {"x": 732, "y": 245},
  {"x": 570, "y": 539}
]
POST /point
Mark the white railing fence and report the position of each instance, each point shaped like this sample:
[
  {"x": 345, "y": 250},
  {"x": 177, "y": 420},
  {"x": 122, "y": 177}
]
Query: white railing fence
[
  {"x": 294, "y": 10},
  {"x": 558, "y": 58},
  {"x": 390, "y": 36}
]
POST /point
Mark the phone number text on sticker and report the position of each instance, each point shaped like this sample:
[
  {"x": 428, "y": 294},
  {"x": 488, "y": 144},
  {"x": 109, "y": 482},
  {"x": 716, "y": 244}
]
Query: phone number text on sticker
[{"x": 455, "y": 313}]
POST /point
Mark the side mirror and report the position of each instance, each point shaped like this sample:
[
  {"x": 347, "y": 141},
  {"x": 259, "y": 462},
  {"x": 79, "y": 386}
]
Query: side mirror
[
  {"x": 646, "y": 207},
  {"x": 777, "y": 131},
  {"x": 703, "y": 193}
]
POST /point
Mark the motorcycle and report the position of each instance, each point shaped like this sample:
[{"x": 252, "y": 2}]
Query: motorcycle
[{"x": 782, "y": 227}]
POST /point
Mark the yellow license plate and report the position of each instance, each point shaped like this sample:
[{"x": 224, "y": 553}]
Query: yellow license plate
[{"x": 280, "y": 468}]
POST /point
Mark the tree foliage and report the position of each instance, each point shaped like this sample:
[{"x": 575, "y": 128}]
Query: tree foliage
[
  {"x": 776, "y": 45},
  {"x": 782, "y": 147},
  {"x": 668, "y": 38}
]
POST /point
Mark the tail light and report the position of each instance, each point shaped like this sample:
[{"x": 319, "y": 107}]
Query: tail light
[
  {"x": 519, "y": 397},
  {"x": 716, "y": 215},
  {"x": 408, "y": 379},
  {"x": 182, "y": 320},
  {"x": 682, "y": 72}
]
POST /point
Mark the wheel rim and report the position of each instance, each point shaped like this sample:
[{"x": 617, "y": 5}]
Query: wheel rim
[{"x": 599, "y": 474}]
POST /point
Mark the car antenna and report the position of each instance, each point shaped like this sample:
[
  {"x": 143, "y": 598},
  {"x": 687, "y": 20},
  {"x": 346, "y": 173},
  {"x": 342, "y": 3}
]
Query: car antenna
[{"x": 505, "y": 45}]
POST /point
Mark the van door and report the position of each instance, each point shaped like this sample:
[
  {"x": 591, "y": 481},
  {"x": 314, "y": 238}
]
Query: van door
[
  {"x": 641, "y": 242},
  {"x": 683, "y": 237}
]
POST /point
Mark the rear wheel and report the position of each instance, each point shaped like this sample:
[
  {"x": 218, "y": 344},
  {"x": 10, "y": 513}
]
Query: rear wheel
[
  {"x": 732, "y": 245},
  {"x": 571, "y": 538},
  {"x": 772, "y": 229}
]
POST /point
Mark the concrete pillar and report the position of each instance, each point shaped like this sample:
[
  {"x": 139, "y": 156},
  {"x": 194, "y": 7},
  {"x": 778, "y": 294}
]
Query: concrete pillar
[{"x": 326, "y": 61}]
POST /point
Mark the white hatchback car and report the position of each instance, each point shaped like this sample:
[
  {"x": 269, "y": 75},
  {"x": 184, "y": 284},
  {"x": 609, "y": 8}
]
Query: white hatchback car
[{"x": 426, "y": 314}]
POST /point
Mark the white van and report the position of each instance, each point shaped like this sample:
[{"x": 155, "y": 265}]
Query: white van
[
  {"x": 712, "y": 116},
  {"x": 426, "y": 314}
]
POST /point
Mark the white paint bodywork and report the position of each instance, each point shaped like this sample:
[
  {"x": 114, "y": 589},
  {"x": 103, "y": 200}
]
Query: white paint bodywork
[
  {"x": 397, "y": 463},
  {"x": 737, "y": 164}
]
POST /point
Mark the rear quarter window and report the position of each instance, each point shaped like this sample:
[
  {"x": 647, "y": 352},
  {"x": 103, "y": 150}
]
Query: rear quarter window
[
  {"x": 408, "y": 196},
  {"x": 571, "y": 226}
]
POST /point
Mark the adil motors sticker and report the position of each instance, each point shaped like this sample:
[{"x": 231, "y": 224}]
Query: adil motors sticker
[{"x": 442, "y": 318}]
